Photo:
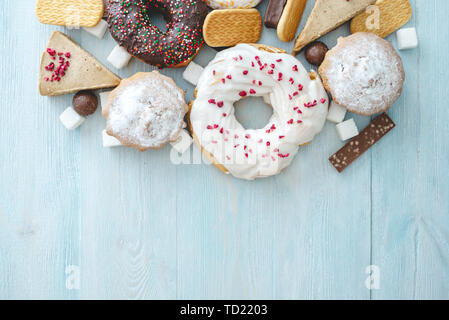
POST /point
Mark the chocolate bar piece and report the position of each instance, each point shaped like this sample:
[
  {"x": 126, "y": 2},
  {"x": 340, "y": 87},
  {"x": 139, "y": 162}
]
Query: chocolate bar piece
[
  {"x": 369, "y": 136},
  {"x": 273, "y": 13}
]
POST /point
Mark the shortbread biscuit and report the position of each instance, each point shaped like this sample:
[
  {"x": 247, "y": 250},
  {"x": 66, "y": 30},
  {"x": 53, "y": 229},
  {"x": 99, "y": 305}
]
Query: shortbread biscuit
[
  {"x": 78, "y": 13},
  {"x": 363, "y": 73},
  {"x": 326, "y": 16},
  {"x": 289, "y": 21},
  {"x": 68, "y": 68},
  {"x": 385, "y": 17},
  {"x": 228, "y": 27}
]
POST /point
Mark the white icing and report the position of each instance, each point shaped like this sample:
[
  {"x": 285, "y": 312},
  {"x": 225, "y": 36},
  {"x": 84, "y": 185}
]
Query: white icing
[
  {"x": 364, "y": 73},
  {"x": 148, "y": 111},
  {"x": 246, "y": 153},
  {"x": 232, "y": 4}
]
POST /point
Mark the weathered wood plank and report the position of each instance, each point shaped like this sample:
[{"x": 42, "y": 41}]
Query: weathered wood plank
[
  {"x": 410, "y": 185},
  {"x": 139, "y": 226},
  {"x": 39, "y": 189}
]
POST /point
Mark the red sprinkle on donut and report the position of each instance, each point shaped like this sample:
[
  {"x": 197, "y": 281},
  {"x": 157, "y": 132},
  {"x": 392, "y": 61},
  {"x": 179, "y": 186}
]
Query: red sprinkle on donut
[{"x": 283, "y": 155}]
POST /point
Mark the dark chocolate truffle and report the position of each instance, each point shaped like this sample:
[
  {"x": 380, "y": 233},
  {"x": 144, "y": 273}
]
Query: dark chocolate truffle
[
  {"x": 316, "y": 52},
  {"x": 85, "y": 103}
]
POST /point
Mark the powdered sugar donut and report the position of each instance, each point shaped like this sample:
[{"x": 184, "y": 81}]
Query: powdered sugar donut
[
  {"x": 299, "y": 102},
  {"x": 146, "y": 111},
  {"x": 232, "y": 4},
  {"x": 363, "y": 73}
]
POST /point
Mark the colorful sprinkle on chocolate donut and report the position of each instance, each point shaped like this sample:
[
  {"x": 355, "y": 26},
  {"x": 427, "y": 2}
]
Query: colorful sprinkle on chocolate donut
[{"x": 130, "y": 25}]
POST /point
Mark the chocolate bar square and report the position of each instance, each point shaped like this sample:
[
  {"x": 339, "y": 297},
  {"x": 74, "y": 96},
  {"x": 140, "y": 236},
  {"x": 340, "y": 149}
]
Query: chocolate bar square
[{"x": 358, "y": 145}]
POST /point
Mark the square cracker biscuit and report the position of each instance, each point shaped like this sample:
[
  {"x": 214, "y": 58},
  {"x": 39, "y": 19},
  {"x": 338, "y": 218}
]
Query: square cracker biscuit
[{"x": 390, "y": 14}]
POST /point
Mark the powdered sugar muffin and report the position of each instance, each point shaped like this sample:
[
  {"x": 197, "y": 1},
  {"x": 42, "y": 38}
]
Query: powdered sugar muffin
[
  {"x": 146, "y": 111},
  {"x": 363, "y": 73}
]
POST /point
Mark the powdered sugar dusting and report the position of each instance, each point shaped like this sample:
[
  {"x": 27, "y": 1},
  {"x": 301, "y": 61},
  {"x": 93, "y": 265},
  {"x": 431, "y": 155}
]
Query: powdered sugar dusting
[
  {"x": 147, "y": 112},
  {"x": 364, "y": 73}
]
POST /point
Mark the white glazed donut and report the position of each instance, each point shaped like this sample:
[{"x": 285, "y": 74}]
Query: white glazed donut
[
  {"x": 146, "y": 111},
  {"x": 232, "y": 4},
  {"x": 299, "y": 101}
]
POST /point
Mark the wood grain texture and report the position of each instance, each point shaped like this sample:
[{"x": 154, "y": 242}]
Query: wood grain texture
[{"x": 139, "y": 226}]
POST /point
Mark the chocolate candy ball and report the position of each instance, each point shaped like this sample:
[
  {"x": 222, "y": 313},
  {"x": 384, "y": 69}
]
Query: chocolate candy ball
[
  {"x": 316, "y": 52},
  {"x": 85, "y": 103}
]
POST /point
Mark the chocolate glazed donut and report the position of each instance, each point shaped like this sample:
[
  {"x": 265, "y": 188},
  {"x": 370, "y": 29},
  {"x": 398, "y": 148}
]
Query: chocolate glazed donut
[{"x": 130, "y": 25}]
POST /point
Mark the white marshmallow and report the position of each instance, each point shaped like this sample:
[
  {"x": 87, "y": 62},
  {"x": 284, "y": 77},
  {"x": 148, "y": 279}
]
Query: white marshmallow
[
  {"x": 347, "y": 129},
  {"x": 407, "y": 38},
  {"x": 336, "y": 113},
  {"x": 104, "y": 98},
  {"x": 99, "y": 30},
  {"x": 119, "y": 57},
  {"x": 110, "y": 141},
  {"x": 71, "y": 119},
  {"x": 183, "y": 143},
  {"x": 192, "y": 73}
]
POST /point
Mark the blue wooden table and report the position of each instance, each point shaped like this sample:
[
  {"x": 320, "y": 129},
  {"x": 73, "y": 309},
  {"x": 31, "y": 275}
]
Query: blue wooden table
[{"x": 78, "y": 221}]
